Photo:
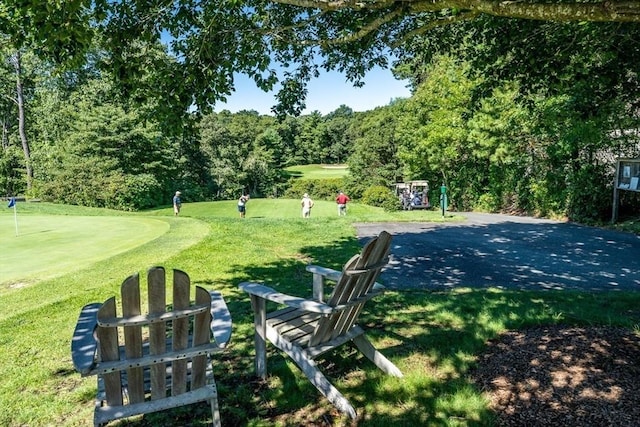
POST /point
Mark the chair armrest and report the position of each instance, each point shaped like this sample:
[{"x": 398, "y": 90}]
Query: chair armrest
[
  {"x": 270, "y": 294},
  {"x": 328, "y": 273},
  {"x": 83, "y": 343},
  {"x": 220, "y": 319},
  {"x": 319, "y": 274}
]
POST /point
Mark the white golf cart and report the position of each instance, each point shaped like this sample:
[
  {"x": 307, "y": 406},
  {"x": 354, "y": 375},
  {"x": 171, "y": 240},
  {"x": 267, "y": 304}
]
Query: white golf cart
[{"x": 413, "y": 195}]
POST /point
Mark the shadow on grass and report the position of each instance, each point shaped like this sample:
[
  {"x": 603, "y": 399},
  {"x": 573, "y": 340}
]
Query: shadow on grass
[{"x": 433, "y": 336}]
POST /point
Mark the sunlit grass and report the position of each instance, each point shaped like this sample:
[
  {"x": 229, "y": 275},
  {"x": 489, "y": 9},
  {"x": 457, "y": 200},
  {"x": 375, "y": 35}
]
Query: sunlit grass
[
  {"x": 318, "y": 171},
  {"x": 48, "y": 245},
  {"x": 291, "y": 209}
]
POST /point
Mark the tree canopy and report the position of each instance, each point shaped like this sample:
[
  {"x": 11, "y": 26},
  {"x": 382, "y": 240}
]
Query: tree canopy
[{"x": 215, "y": 39}]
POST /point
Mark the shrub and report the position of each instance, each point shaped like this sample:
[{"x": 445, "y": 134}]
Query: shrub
[
  {"x": 11, "y": 172},
  {"x": 380, "y": 196},
  {"x": 589, "y": 196},
  {"x": 85, "y": 185},
  {"x": 487, "y": 203},
  {"x": 325, "y": 188},
  {"x": 136, "y": 192}
]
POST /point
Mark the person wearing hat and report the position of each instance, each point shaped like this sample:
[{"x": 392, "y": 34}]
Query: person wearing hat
[
  {"x": 177, "y": 204},
  {"x": 307, "y": 204},
  {"x": 242, "y": 204}
]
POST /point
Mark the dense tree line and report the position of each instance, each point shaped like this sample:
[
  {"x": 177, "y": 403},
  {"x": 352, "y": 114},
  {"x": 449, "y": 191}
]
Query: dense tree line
[
  {"x": 499, "y": 139},
  {"x": 512, "y": 115},
  {"x": 91, "y": 145},
  {"x": 535, "y": 121}
]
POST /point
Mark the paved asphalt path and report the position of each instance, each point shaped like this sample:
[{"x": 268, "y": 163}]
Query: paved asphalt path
[{"x": 508, "y": 252}]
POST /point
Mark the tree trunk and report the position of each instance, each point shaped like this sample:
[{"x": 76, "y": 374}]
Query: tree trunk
[
  {"x": 5, "y": 132},
  {"x": 17, "y": 64}
]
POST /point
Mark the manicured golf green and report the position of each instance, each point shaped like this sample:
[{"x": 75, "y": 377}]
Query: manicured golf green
[{"x": 49, "y": 245}]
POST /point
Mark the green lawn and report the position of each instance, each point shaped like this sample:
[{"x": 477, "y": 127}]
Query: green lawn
[
  {"x": 433, "y": 337},
  {"x": 318, "y": 171},
  {"x": 47, "y": 246},
  {"x": 291, "y": 209}
]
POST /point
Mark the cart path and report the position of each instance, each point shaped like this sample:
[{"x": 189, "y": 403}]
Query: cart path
[{"x": 508, "y": 252}]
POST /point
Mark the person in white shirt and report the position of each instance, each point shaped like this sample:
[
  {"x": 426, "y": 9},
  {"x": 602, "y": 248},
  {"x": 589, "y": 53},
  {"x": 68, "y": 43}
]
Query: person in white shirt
[
  {"x": 307, "y": 204},
  {"x": 242, "y": 202}
]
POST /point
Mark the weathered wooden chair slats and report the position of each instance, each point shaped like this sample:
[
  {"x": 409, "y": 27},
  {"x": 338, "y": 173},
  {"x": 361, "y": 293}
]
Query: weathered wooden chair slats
[
  {"x": 307, "y": 328},
  {"x": 160, "y": 359}
]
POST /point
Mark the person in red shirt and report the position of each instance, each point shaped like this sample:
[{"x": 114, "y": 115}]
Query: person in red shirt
[{"x": 342, "y": 200}]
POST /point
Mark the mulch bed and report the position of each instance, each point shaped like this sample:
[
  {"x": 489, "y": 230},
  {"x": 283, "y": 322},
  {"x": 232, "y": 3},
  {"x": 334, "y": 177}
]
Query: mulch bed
[{"x": 563, "y": 376}]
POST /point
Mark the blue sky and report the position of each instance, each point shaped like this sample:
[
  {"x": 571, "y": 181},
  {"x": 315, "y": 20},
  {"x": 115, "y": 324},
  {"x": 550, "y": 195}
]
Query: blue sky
[{"x": 325, "y": 95}]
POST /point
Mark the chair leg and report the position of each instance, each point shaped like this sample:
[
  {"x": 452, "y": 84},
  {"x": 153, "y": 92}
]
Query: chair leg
[
  {"x": 316, "y": 377},
  {"x": 260, "y": 343},
  {"x": 215, "y": 413},
  {"x": 365, "y": 346},
  {"x": 321, "y": 382}
]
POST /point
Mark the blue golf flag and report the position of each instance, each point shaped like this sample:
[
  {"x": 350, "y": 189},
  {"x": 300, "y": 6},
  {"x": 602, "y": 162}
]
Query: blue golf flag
[{"x": 12, "y": 202}]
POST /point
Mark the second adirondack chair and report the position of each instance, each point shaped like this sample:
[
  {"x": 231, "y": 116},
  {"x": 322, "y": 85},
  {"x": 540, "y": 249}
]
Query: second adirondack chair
[
  {"x": 308, "y": 328},
  {"x": 154, "y": 360}
]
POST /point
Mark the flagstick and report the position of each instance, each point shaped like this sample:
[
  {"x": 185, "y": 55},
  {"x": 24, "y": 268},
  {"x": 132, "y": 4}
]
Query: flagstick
[{"x": 15, "y": 218}]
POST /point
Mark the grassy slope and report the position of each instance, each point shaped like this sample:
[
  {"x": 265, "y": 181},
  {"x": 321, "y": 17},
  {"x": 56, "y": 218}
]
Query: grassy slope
[
  {"x": 318, "y": 171},
  {"x": 432, "y": 336}
]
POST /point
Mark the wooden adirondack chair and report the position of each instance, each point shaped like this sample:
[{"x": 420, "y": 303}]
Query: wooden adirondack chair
[
  {"x": 147, "y": 362},
  {"x": 305, "y": 329}
]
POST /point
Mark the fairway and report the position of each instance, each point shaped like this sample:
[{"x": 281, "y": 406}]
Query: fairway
[
  {"x": 318, "y": 171},
  {"x": 49, "y": 245}
]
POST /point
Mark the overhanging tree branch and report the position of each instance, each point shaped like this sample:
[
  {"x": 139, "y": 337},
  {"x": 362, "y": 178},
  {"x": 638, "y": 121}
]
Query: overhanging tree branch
[
  {"x": 602, "y": 11},
  {"x": 367, "y": 29},
  {"x": 448, "y": 20}
]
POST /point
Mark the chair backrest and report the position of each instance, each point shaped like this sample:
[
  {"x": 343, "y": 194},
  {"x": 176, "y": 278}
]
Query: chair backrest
[
  {"x": 151, "y": 350},
  {"x": 353, "y": 289}
]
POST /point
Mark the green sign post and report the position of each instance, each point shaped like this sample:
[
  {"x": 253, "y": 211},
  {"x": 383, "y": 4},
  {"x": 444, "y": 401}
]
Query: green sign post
[{"x": 443, "y": 198}]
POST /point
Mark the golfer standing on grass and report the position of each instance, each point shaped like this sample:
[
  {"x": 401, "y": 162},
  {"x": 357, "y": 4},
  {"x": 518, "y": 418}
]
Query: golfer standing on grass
[
  {"x": 242, "y": 205},
  {"x": 307, "y": 204},
  {"x": 177, "y": 204},
  {"x": 342, "y": 200}
]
